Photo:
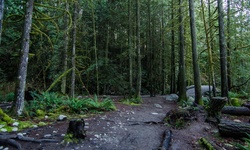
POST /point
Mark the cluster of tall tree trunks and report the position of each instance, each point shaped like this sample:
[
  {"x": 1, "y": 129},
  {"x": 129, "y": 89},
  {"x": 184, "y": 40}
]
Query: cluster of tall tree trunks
[{"x": 225, "y": 78}]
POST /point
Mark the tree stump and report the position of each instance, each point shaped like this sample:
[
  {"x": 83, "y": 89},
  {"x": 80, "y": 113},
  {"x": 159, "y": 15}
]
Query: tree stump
[
  {"x": 234, "y": 129},
  {"x": 232, "y": 110},
  {"x": 76, "y": 128},
  {"x": 214, "y": 109}
]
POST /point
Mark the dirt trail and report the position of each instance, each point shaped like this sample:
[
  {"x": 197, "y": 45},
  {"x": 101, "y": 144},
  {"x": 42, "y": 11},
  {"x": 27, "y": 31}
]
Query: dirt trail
[{"x": 128, "y": 128}]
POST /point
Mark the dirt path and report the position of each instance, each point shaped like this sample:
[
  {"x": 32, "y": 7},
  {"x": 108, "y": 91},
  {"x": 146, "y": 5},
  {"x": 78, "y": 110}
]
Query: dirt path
[{"x": 128, "y": 128}]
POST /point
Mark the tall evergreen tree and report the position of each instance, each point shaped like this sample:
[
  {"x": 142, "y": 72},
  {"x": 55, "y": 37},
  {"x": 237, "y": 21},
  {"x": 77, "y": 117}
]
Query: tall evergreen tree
[
  {"x": 138, "y": 45},
  {"x": 196, "y": 68},
  {"x": 182, "y": 69},
  {"x": 22, "y": 73},
  {"x": 172, "y": 68},
  {"x": 73, "y": 58},
  {"x": 1, "y": 18},
  {"x": 223, "y": 53}
]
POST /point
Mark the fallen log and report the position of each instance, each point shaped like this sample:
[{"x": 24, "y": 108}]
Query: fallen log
[
  {"x": 234, "y": 129},
  {"x": 232, "y": 110},
  {"x": 167, "y": 136}
]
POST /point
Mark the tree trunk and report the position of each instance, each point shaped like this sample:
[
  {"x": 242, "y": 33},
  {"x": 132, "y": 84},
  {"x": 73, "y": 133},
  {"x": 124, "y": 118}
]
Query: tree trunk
[
  {"x": 138, "y": 45},
  {"x": 196, "y": 68},
  {"x": 73, "y": 76},
  {"x": 214, "y": 109},
  {"x": 163, "y": 52},
  {"x": 95, "y": 47},
  {"x": 172, "y": 70},
  {"x": 65, "y": 53},
  {"x": 130, "y": 49},
  {"x": 22, "y": 73},
  {"x": 1, "y": 18},
  {"x": 209, "y": 48},
  {"x": 182, "y": 78},
  {"x": 223, "y": 52},
  {"x": 234, "y": 129},
  {"x": 229, "y": 43},
  {"x": 231, "y": 110}
]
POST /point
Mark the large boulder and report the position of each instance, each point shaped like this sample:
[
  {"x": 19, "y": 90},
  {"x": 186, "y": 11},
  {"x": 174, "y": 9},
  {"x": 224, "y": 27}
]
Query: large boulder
[{"x": 204, "y": 90}]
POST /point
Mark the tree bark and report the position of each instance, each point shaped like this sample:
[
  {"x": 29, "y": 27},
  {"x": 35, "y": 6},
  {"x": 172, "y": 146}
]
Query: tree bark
[
  {"x": 95, "y": 47},
  {"x": 234, "y": 129},
  {"x": 1, "y": 18},
  {"x": 73, "y": 75},
  {"x": 172, "y": 70},
  {"x": 130, "y": 49},
  {"x": 65, "y": 53},
  {"x": 231, "y": 110},
  {"x": 167, "y": 137},
  {"x": 182, "y": 69},
  {"x": 76, "y": 128},
  {"x": 229, "y": 44},
  {"x": 138, "y": 45},
  {"x": 196, "y": 68},
  {"x": 214, "y": 109},
  {"x": 209, "y": 47},
  {"x": 22, "y": 73},
  {"x": 223, "y": 52}
]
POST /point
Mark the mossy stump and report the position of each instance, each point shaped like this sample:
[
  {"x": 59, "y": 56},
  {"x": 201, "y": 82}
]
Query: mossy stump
[
  {"x": 76, "y": 129},
  {"x": 214, "y": 109}
]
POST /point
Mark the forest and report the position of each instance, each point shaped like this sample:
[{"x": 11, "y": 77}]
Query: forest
[{"x": 130, "y": 48}]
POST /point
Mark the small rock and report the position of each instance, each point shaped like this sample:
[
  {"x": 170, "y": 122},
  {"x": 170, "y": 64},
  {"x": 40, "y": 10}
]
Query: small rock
[
  {"x": 47, "y": 135},
  {"x": 55, "y": 131},
  {"x": 46, "y": 117},
  {"x": 62, "y": 117},
  {"x": 15, "y": 124},
  {"x": 207, "y": 129},
  {"x": 6, "y": 148},
  {"x": 15, "y": 129},
  {"x": 4, "y": 130},
  {"x": 154, "y": 113},
  {"x": 237, "y": 120},
  {"x": 35, "y": 126},
  {"x": 157, "y": 105},
  {"x": 62, "y": 134},
  {"x": 19, "y": 134}
]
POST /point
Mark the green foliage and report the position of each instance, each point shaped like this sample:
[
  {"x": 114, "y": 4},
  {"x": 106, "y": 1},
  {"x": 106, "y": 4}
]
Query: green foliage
[
  {"x": 8, "y": 97},
  {"x": 133, "y": 101},
  {"x": 236, "y": 102},
  {"x": 52, "y": 102},
  {"x": 4, "y": 117},
  {"x": 247, "y": 144},
  {"x": 206, "y": 144}
]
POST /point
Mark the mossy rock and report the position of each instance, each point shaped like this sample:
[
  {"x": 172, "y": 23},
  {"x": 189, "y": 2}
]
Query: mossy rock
[
  {"x": 40, "y": 113},
  {"x": 235, "y": 102},
  {"x": 25, "y": 124},
  {"x": 6, "y": 118}
]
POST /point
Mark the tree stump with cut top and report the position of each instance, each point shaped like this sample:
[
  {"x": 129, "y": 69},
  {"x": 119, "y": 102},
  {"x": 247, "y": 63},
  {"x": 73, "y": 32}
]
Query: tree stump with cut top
[
  {"x": 76, "y": 128},
  {"x": 214, "y": 109}
]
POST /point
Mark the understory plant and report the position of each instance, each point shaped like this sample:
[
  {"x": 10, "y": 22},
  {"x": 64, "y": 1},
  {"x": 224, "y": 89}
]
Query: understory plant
[
  {"x": 247, "y": 143},
  {"x": 52, "y": 102}
]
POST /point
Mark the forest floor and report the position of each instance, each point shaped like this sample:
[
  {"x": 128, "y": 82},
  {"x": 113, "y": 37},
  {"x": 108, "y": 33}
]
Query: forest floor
[{"x": 131, "y": 128}]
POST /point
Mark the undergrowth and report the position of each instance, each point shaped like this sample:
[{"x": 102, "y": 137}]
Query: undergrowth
[
  {"x": 246, "y": 146},
  {"x": 53, "y": 103}
]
